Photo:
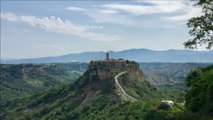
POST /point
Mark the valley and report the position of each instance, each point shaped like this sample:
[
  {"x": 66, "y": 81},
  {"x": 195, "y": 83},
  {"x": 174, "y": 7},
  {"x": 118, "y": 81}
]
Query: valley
[
  {"x": 106, "y": 60},
  {"x": 59, "y": 90},
  {"x": 27, "y": 79}
]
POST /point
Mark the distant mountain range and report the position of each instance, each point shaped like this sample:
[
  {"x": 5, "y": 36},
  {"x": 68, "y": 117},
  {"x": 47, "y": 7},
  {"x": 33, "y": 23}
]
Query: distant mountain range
[{"x": 138, "y": 55}]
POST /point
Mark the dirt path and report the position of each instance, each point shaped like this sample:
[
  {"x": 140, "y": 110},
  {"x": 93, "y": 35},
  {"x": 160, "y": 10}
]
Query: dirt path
[{"x": 123, "y": 93}]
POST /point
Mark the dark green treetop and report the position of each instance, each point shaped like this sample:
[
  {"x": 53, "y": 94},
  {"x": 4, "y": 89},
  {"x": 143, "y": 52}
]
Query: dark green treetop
[{"x": 201, "y": 28}]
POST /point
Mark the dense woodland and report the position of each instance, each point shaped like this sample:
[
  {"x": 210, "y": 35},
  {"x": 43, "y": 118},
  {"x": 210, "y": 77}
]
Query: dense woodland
[
  {"x": 70, "y": 101},
  {"x": 25, "y": 79}
]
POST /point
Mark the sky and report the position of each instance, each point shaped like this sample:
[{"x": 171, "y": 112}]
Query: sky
[{"x": 31, "y": 29}]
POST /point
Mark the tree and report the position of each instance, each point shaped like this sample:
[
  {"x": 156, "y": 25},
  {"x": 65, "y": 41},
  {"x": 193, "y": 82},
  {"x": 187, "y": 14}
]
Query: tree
[
  {"x": 199, "y": 98},
  {"x": 201, "y": 27}
]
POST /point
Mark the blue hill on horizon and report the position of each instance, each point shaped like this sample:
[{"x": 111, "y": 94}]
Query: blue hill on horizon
[{"x": 138, "y": 55}]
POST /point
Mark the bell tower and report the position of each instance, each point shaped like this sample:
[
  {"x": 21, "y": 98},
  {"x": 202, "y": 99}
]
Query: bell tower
[{"x": 107, "y": 56}]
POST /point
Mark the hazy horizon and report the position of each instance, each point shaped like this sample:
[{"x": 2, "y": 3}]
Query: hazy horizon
[
  {"x": 105, "y": 52},
  {"x": 34, "y": 29}
]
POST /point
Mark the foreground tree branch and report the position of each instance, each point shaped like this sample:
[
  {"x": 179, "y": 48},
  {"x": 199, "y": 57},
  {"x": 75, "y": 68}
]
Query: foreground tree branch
[{"x": 201, "y": 28}]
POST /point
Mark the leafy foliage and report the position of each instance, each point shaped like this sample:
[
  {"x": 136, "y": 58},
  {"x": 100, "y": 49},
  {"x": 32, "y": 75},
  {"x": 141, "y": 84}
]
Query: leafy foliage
[
  {"x": 201, "y": 27},
  {"x": 200, "y": 96}
]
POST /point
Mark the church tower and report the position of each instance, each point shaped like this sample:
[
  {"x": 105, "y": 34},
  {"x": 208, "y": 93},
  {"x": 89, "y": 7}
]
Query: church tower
[{"x": 107, "y": 56}]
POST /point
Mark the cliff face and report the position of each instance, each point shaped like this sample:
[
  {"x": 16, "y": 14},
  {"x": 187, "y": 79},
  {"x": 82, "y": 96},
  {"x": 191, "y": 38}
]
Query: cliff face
[{"x": 103, "y": 72}]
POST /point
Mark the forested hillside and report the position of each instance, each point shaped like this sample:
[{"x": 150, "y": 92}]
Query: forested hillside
[
  {"x": 24, "y": 79},
  {"x": 170, "y": 74},
  {"x": 93, "y": 96},
  {"x": 101, "y": 101}
]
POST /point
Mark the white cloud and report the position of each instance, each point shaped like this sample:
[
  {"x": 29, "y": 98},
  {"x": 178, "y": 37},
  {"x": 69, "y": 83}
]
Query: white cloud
[
  {"x": 104, "y": 15},
  {"x": 129, "y": 14},
  {"x": 55, "y": 24},
  {"x": 9, "y": 16},
  {"x": 182, "y": 10},
  {"x": 100, "y": 17},
  {"x": 186, "y": 9},
  {"x": 107, "y": 11},
  {"x": 189, "y": 13},
  {"x": 75, "y": 8},
  {"x": 80, "y": 9},
  {"x": 166, "y": 13},
  {"x": 94, "y": 27},
  {"x": 153, "y": 7}
]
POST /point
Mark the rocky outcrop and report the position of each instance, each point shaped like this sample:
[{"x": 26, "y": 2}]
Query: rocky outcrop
[{"x": 103, "y": 72}]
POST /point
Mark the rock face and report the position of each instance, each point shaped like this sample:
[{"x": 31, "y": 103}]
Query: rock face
[{"x": 102, "y": 73}]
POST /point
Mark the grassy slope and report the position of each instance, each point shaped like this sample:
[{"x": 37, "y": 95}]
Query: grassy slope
[
  {"x": 24, "y": 79},
  {"x": 20, "y": 80},
  {"x": 72, "y": 102},
  {"x": 75, "y": 101},
  {"x": 169, "y": 74}
]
